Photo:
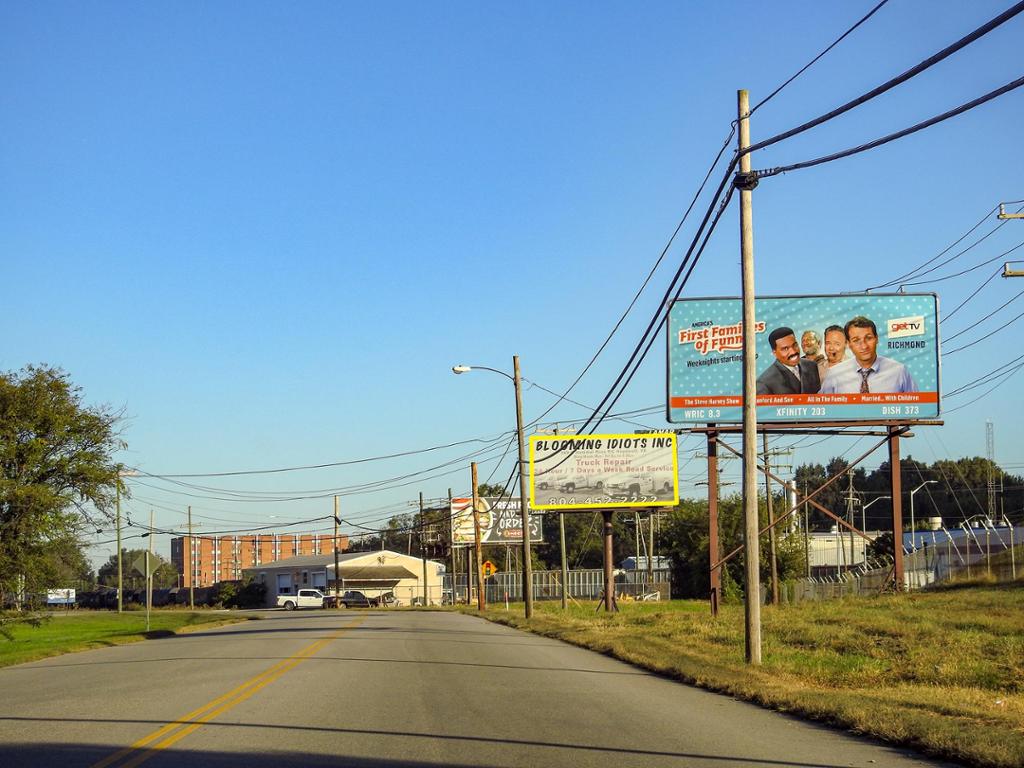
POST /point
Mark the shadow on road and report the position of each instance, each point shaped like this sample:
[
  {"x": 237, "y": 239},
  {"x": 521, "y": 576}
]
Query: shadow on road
[{"x": 80, "y": 755}]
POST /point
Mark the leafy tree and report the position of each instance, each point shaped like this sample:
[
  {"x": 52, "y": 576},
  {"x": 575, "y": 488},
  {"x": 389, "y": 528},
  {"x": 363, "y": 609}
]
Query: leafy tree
[
  {"x": 164, "y": 577},
  {"x": 57, "y": 473}
]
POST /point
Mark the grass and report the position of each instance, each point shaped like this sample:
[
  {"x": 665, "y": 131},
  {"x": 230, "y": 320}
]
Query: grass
[
  {"x": 81, "y": 630},
  {"x": 941, "y": 671}
]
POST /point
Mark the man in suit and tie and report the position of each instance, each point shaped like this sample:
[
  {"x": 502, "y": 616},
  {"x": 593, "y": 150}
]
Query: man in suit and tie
[{"x": 788, "y": 374}]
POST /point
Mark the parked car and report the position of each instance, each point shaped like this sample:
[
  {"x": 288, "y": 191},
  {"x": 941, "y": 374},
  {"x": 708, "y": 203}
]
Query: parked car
[
  {"x": 305, "y": 598},
  {"x": 354, "y": 599}
]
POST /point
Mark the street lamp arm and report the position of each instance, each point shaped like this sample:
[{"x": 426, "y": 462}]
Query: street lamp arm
[{"x": 457, "y": 369}]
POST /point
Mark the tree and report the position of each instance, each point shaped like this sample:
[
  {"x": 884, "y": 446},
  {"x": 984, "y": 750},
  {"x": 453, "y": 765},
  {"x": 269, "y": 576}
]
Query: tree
[{"x": 57, "y": 472}]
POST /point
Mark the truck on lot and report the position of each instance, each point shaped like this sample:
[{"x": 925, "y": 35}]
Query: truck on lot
[{"x": 305, "y": 598}]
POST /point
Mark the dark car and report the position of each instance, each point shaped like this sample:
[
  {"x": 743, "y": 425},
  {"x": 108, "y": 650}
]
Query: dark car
[{"x": 358, "y": 600}]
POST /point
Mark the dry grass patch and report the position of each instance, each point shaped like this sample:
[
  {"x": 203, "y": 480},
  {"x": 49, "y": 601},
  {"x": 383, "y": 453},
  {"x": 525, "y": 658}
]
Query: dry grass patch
[{"x": 942, "y": 671}]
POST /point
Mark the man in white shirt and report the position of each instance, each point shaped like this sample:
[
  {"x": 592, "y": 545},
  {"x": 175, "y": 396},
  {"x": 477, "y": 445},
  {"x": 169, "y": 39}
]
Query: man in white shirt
[{"x": 866, "y": 372}]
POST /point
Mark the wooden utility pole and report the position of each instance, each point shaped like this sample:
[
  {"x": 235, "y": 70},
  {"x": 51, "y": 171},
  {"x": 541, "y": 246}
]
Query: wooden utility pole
[
  {"x": 771, "y": 521},
  {"x": 423, "y": 551},
  {"x": 565, "y": 564},
  {"x": 149, "y": 571},
  {"x": 481, "y": 603},
  {"x": 192, "y": 563},
  {"x": 609, "y": 576},
  {"x": 120, "y": 576},
  {"x": 751, "y": 553},
  {"x": 714, "y": 549},
  {"x": 523, "y": 504},
  {"x": 337, "y": 569}
]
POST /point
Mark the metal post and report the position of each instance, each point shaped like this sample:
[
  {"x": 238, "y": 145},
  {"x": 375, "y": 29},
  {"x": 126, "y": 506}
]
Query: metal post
[
  {"x": 120, "y": 577},
  {"x": 751, "y": 555},
  {"x": 714, "y": 549},
  {"x": 481, "y": 603},
  {"x": 896, "y": 491},
  {"x": 565, "y": 564},
  {"x": 650, "y": 551},
  {"x": 524, "y": 508},
  {"x": 609, "y": 577},
  {"x": 771, "y": 521},
  {"x": 337, "y": 569},
  {"x": 451, "y": 546},
  {"x": 807, "y": 534}
]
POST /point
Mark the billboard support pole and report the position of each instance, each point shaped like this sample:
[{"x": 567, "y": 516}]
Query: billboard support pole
[
  {"x": 565, "y": 564},
  {"x": 714, "y": 549},
  {"x": 480, "y": 601},
  {"x": 609, "y": 577},
  {"x": 896, "y": 491},
  {"x": 752, "y": 581}
]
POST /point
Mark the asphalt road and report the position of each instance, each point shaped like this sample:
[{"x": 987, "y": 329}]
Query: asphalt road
[{"x": 378, "y": 689}]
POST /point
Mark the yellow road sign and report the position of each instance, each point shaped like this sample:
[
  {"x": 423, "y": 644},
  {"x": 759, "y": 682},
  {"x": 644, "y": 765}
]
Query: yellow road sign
[{"x": 489, "y": 568}]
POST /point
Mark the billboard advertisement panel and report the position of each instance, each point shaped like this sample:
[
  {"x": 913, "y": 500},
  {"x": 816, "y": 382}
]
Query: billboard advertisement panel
[
  {"x": 501, "y": 522},
  {"x": 603, "y": 471},
  {"x": 819, "y": 358}
]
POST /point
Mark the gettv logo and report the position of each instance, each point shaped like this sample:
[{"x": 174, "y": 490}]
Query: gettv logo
[{"x": 905, "y": 326}]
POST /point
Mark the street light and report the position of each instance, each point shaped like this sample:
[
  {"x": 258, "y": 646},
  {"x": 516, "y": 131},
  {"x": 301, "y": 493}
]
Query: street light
[
  {"x": 515, "y": 378},
  {"x": 864, "y": 510},
  {"x": 913, "y": 536}
]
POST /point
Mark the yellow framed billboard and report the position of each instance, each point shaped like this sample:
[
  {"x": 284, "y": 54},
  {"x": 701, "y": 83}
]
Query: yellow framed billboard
[{"x": 603, "y": 471}]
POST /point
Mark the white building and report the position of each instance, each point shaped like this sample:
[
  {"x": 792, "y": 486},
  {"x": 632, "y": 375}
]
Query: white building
[{"x": 372, "y": 573}]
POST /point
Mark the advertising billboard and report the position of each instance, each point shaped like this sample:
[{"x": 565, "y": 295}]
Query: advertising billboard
[
  {"x": 819, "y": 358},
  {"x": 501, "y": 522},
  {"x": 603, "y": 471}
]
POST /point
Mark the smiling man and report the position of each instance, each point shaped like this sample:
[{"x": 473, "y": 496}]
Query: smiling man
[
  {"x": 867, "y": 371},
  {"x": 788, "y": 374}
]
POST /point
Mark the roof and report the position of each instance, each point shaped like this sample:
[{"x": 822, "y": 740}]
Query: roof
[
  {"x": 327, "y": 561},
  {"x": 376, "y": 573}
]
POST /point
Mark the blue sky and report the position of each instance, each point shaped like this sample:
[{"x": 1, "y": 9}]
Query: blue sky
[{"x": 267, "y": 231}]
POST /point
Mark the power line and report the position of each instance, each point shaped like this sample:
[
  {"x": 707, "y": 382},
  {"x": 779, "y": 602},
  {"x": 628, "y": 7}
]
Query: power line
[
  {"x": 931, "y": 61},
  {"x": 814, "y": 61},
  {"x": 893, "y": 136},
  {"x": 976, "y": 323},
  {"x": 979, "y": 265},
  {"x": 986, "y": 336}
]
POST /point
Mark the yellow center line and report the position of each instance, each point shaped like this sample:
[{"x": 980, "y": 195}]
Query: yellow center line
[{"x": 186, "y": 724}]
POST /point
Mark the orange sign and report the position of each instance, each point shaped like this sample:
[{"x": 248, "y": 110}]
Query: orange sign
[{"x": 489, "y": 568}]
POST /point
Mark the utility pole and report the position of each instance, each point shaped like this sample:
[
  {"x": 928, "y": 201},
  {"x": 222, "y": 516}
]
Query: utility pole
[
  {"x": 337, "y": 570},
  {"x": 746, "y": 182},
  {"x": 192, "y": 564},
  {"x": 423, "y": 551},
  {"x": 523, "y": 505},
  {"x": 565, "y": 564},
  {"x": 807, "y": 534},
  {"x": 850, "y": 501},
  {"x": 650, "y": 551},
  {"x": 120, "y": 577},
  {"x": 149, "y": 571},
  {"x": 481, "y": 603},
  {"x": 771, "y": 521},
  {"x": 451, "y": 545}
]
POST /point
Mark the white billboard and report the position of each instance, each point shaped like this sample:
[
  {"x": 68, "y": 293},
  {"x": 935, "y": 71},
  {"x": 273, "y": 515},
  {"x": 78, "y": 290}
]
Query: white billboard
[{"x": 603, "y": 471}]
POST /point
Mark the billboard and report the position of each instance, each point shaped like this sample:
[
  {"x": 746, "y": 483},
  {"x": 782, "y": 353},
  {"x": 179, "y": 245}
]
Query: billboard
[
  {"x": 603, "y": 471},
  {"x": 819, "y": 358},
  {"x": 501, "y": 521}
]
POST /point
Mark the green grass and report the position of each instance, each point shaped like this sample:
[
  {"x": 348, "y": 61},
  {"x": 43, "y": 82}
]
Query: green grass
[
  {"x": 941, "y": 671},
  {"x": 80, "y": 630}
]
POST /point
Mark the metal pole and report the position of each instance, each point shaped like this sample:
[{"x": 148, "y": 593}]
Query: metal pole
[
  {"x": 896, "y": 491},
  {"x": 120, "y": 577},
  {"x": 192, "y": 565},
  {"x": 423, "y": 553},
  {"x": 451, "y": 545},
  {"x": 650, "y": 551},
  {"x": 609, "y": 577},
  {"x": 523, "y": 468},
  {"x": 807, "y": 534},
  {"x": 771, "y": 521},
  {"x": 149, "y": 571},
  {"x": 480, "y": 601},
  {"x": 337, "y": 569},
  {"x": 714, "y": 549},
  {"x": 751, "y": 556},
  {"x": 565, "y": 564}
]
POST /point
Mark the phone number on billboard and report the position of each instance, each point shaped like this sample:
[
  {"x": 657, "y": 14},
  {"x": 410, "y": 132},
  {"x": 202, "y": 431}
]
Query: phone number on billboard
[{"x": 563, "y": 500}]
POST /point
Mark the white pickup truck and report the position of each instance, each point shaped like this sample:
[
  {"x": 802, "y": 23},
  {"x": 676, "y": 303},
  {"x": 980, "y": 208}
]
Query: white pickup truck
[{"x": 305, "y": 598}]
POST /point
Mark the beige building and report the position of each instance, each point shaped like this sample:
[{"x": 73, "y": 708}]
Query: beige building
[{"x": 372, "y": 573}]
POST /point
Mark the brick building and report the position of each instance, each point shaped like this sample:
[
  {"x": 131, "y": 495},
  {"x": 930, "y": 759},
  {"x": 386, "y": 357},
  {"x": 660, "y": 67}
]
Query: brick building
[{"x": 222, "y": 558}]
